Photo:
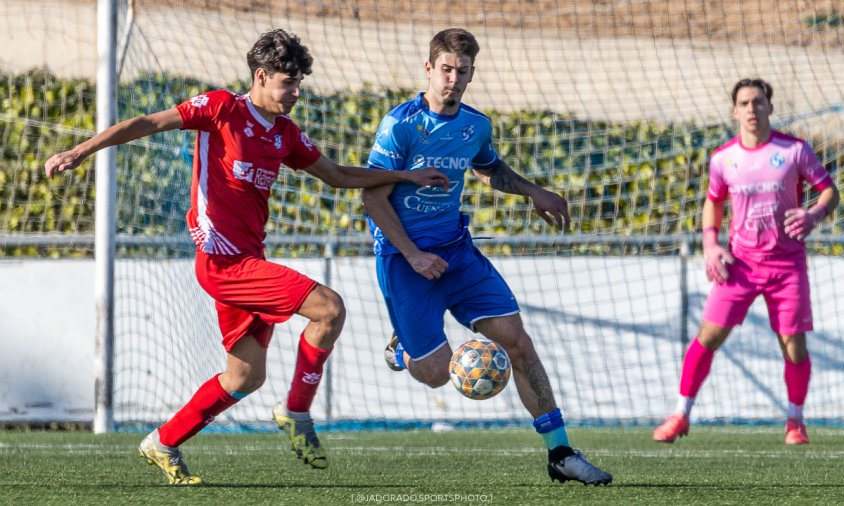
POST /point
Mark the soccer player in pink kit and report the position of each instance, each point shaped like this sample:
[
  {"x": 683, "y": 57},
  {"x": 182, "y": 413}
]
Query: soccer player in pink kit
[
  {"x": 241, "y": 142},
  {"x": 762, "y": 171}
]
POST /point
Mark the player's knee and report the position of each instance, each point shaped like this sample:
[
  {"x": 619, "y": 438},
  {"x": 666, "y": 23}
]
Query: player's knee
[
  {"x": 333, "y": 307},
  {"x": 251, "y": 385},
  {"x": 793, "y": 347},
  {"x": 246, "y": 381},
  {"x": 430, "y": 373},
  {"x": 337, "y": 311},
  {"x": 521, "y": 350},
  {"x": 436, "y": 379}
]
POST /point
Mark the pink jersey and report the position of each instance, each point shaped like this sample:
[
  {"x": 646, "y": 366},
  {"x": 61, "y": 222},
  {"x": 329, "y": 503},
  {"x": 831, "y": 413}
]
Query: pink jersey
[
  {"x": 762, "y": 183},
  {"x": 236, "y": 160}
]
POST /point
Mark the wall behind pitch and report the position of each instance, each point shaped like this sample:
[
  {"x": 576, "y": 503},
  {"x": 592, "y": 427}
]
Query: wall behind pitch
[
  {"x": 47, "y": 325},
  {"x": 607, "y": 329}
]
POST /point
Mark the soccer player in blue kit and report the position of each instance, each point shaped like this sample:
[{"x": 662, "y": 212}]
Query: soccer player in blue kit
[{"x": 426, "y": 262}]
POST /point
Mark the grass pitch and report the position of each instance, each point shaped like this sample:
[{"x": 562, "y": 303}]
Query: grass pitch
[{"x": 716, "y": 465}]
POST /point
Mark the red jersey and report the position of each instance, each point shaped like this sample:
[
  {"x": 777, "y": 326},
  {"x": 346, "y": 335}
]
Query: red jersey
[{"x": 236, "y": 160}]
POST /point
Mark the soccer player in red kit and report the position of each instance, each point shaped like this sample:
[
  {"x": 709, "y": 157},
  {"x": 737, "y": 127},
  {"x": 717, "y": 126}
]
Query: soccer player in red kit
[
  {"x": 762, "y": 172},
  {"x": 241, "y": 142}
]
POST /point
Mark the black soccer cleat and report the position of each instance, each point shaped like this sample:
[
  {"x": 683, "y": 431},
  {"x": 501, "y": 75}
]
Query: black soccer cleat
[{"x": 572, "y": 465}]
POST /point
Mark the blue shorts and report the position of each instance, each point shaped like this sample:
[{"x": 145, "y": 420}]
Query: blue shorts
[{"x": 470, "y": 288}]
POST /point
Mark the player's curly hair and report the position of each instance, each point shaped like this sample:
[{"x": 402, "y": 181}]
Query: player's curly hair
[
  {"x": 279, "y": 51},
  {"x": 753, "y": 82},
  {"x": 453, "y": 40}
]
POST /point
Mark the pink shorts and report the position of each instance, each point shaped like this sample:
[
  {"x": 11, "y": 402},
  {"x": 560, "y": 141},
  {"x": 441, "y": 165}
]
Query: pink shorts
[
  {"x": 251, "y": 294},
  {"x": 784, "y": 284}
]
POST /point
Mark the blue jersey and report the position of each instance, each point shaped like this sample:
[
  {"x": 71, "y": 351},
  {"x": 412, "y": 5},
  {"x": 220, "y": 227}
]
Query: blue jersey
[{"x": 411, "y": 137}]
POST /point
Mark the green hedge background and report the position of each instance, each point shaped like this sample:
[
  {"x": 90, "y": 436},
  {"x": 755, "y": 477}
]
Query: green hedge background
[{"x": 625, "y": 179}]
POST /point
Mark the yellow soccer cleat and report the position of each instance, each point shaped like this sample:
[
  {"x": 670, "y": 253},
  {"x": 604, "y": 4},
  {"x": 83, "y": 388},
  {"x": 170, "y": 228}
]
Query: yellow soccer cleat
[
  {"x": 169, "y": 460},
  {"x": 303, "y": 439}
]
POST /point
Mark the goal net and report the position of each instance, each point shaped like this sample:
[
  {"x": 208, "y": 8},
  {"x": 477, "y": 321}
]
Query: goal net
[{"x": 615, "y": 104}]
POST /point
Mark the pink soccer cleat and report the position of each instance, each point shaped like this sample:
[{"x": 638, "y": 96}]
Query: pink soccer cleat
[
  {"x": 795, "y": 432},
  {"x": 674, "y": 426}
]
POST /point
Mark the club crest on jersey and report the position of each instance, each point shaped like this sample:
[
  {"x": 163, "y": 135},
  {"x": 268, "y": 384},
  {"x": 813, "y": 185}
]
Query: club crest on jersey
[
  {"x": 249, "y": 132},
  {"x": 424, "y": 134},
  {"x": 777, "y": 160},
  {"x": 277, "y": 141},
  {"x": 468, "y": 133},
  {"x": 199, "y": 101}
]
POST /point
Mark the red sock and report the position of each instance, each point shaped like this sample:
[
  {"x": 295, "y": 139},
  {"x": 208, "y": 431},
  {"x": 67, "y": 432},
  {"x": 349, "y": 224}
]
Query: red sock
[
  {"x": 307, "y": 376},
  {"x": 797, "y": 380},
  {"x": 209, "y": 401},
  {"x": 696, "y": 367}
]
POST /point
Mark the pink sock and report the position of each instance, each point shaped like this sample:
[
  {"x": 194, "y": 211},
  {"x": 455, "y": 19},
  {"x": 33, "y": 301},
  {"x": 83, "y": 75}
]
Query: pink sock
[
  {"x": 797, "y": 380},
  {"x": 696, "y": 367}
]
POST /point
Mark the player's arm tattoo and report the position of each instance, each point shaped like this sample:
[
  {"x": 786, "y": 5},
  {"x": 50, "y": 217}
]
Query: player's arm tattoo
[{"x": 503, "y": 178}]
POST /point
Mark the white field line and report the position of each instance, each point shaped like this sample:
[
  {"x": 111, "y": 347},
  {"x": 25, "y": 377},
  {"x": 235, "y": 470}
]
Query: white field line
[{"x": 89, "y": 449}]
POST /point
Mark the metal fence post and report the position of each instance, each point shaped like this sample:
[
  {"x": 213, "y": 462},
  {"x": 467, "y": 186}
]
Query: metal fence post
[
  {"x": 328, "y": 259},
  {"x": 685, "y": 251}
]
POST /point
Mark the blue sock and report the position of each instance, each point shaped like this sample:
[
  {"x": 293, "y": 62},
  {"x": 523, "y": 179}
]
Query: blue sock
[
  {"x": 400, "y": 356},
  {"x": 552, "y": 428}
]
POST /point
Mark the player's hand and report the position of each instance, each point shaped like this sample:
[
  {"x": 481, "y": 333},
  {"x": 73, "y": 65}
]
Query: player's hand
[
  {"x": 427, "y": 264},
  {"x": 60, "y": 162},
  {"x": 552, "y": 208},
  {"x": 799, "y": 223},
  {"x": 716, "y": 259},
  {"x": 428, "y": 177}
]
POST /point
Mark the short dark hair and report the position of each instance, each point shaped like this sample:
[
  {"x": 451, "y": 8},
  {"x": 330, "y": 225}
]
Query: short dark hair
[
  {"x": 454, "y": 40},
  {"x": 753, "y": 82},
  {"x": 279, "y": 51}
]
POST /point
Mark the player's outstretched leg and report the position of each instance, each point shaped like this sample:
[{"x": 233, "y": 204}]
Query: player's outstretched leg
[
  {"x": 565, "y": 464},
  {"x": 168, "y": 459},
  {"x": 304, "y": 442},
  {"x": 394, "y": 354}
]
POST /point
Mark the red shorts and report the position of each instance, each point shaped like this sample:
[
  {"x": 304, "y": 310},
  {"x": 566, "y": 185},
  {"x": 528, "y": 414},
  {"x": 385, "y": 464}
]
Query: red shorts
[
  {"x": 251, "y": 294},
  {"x": 784, "y": 284}
]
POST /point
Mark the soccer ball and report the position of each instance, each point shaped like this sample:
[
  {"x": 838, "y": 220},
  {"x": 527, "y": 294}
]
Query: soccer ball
[{"x": 479, "y": 369}]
